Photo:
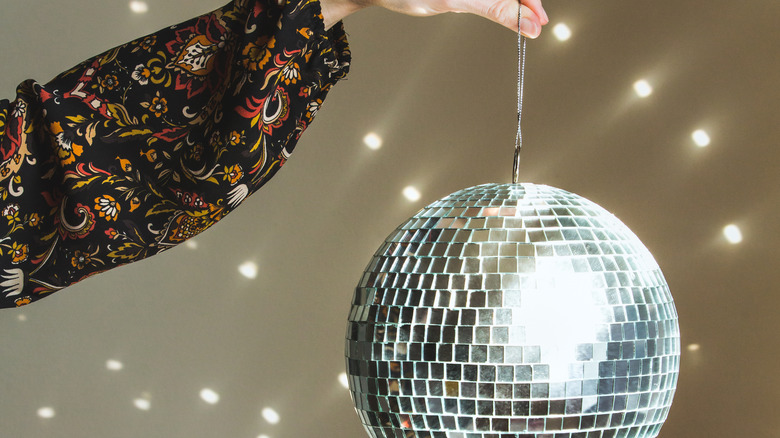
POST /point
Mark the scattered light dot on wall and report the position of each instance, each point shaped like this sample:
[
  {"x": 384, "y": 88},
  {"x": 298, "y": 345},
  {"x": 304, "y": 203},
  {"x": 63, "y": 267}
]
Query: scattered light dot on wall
[
  {"x": 643, "y": 88},
  {"x": 562, "y": 32},
  {"x": 271, "y": 415},
  {"x": 191, "y": 244},
  {"x": 373, "y": 141},
  {"x": 114, "y": 365},
  {"x": 412, "y": 194},
  {"x": 209, "y": 396},
  {"x": 263, "y": 436},
  {"x": 248, "y": 270},
  {"x": 694, "y": 347},
  {"x": 22, "y": 318},
  {"x": 142, "y": 404},
  {"x": 732, "y": 233},
  {"x": 46, "y": 412},
  {"x": 139, "y": 7},
  {"x": 701, "y": 138},
  {"x": 344, "y": 380}
]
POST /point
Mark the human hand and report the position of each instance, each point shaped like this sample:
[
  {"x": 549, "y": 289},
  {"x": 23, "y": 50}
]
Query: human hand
[{"x": 503, "y": 12}]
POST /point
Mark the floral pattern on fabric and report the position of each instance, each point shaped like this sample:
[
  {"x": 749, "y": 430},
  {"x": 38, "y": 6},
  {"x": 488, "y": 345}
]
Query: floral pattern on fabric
[{"x": 149, "y": 144}]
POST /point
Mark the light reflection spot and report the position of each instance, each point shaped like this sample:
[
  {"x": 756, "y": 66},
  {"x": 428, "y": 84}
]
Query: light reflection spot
[
  {"x": 46, "y": 412},
  {"x": 139, "y": 7},
  {"x": 694, "y": 347},
  {"x": 701, "y": 138},
  {"x": 209, "y": 396},
  {"x": 271, "y": 415},
  {"x": 22, "y": 318},
  {"x": 343, "y": 380},
  {"x": 562, "y": 32},
  {"x": 142, "y": 404},
  {"x": 114, "y": 365},
  {"x": 412, "y": 194},
  {"x": 248, "y": 270},
  {"x": 191, "y": 244},
  {"x": 733, "y": 233},
  {"x": 643, "y": 88},
  {"x": 373, "y": 141}
]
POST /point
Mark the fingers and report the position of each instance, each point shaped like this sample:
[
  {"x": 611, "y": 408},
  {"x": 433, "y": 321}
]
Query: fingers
[
  {"x": 538, "y": 9},
  {"x": 530, "y": 24},
  {"x": 504, "y": 12}
]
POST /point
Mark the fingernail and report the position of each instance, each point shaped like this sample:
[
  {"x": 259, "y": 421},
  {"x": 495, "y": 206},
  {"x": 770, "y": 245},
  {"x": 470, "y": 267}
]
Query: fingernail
[{"x": 529, "y": 28}]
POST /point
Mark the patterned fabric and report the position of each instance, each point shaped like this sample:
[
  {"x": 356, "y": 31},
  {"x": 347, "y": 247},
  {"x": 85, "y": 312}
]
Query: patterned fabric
[{"x": 138, "y": 149}]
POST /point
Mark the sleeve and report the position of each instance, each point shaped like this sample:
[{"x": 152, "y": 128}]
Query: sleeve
[{"x": 142, "y": 147}]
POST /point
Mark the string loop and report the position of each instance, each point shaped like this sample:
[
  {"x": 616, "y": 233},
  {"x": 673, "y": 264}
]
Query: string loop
[{"x": 521, "y": 43}]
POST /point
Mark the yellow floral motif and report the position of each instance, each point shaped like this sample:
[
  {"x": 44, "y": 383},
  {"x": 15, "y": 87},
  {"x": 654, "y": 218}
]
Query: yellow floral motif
[
  {"x": 67, "y": 150},
  {"x": 107, "y": 207},
  {"x": 109, "y": 82},
  {"x": 134, "y": 203},
  {"x": 236, "y": 138},
  {"x": 150, "y": 155},
  {"x": 233, "y": 173},
  {"x": 80, "y": 260},
  {"x": 196, "y": 152},
  {"x": 258, "y": 52},
  {"x": 34, "y": 220},
  {"x": 148, "y": 42},
  {"x": 19, "y": 253},
  {"x": 22, "y": 301},
  {"x": 158, "y": 106},
  {"x": 125, "y": 164}
]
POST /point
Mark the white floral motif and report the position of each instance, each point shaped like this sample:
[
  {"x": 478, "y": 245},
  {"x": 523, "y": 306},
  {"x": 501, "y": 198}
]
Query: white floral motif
[
  {"x": 20, "y": 109},
  {"x": 314, "y": 106},
  {"x": 237, "y": 195},
  {"x": 291, "y": 73},
  {"x": 141, "y": 74},
  {"x": 14, "y": 282},
  {"x": 10, "y": 209}
]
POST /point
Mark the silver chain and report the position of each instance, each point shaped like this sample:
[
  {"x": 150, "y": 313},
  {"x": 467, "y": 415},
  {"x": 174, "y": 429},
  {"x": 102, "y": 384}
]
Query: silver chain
[{"x": 521, "y": 42}]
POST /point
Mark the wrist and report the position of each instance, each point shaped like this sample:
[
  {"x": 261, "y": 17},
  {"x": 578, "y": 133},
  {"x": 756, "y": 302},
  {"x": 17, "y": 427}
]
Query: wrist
[{"x": 334, "y": 11}]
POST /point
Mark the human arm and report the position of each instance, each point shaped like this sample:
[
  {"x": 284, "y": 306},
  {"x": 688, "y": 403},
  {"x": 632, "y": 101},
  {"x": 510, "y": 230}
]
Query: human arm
[
  {"x": 137, "y": 149},
  {"x": 503, "y": 12}
]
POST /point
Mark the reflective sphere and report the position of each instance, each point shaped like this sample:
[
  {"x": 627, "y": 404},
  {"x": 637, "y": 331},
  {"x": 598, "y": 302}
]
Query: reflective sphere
[{"x": 512, "y": 310}]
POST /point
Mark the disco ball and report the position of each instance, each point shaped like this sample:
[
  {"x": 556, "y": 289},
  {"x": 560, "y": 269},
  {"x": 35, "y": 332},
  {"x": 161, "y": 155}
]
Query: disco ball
[{"x": 512, "y": 310}]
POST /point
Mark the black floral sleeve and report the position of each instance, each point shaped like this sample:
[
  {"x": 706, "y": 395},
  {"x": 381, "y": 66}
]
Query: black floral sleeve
[{"x": 142, "y": 147}]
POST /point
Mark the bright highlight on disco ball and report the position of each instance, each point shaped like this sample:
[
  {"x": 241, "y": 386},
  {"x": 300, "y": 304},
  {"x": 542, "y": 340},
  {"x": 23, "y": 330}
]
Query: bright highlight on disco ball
[{"x": 512, "y": 310}]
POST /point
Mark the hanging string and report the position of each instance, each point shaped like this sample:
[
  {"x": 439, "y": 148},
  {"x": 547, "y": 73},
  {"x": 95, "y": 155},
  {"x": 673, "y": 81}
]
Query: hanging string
[{"x": 521, "y": 42}]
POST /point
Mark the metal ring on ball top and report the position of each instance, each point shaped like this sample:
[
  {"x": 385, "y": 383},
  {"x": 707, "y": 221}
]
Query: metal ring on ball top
[{"x": 512, "y": 311}]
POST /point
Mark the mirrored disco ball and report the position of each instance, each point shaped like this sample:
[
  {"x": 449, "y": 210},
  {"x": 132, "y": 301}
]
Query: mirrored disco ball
[{"x": 512, "y": 310}]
